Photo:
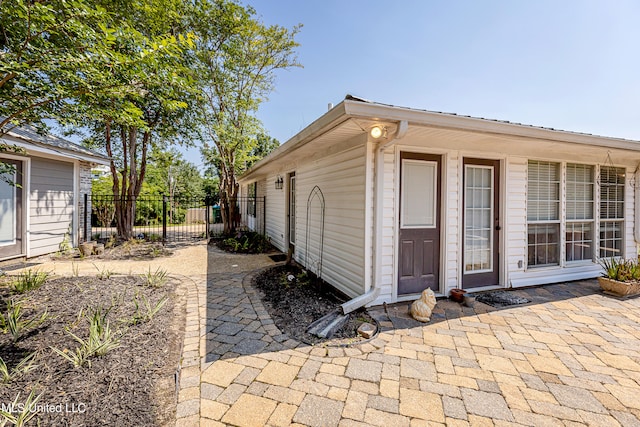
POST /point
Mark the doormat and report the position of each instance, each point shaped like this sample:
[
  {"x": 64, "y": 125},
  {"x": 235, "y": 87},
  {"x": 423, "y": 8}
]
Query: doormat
[
  {"x": 278, "y": 257},
  {"x": 501, "y": 299}
]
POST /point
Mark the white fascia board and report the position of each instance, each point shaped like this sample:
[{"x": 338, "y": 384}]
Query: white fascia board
[
  {"x": 451, "y": 121},
  {"x": 323, "y": 124},
  {"x": 38, "y": 149}
]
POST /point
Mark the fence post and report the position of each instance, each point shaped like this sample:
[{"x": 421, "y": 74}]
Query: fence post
[
  {"x": 164, "y": 219},
  {"x": 86, "y": 205},
  {"x": 206, "y": 217}
]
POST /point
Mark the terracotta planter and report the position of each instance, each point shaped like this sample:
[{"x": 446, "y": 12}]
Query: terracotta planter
[
  {"x": 621, "y": 289},
  {"x": 457, "y": 295}
]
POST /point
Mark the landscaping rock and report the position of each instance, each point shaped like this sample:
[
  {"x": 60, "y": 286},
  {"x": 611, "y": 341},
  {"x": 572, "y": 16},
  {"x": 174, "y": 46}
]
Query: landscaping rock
[{"x": 366, "y": 330}]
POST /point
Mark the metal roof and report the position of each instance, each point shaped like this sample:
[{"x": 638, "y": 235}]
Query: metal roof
[{"x": 444, "y": 113}]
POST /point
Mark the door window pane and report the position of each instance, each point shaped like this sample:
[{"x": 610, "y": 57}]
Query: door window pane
[
  {"x": 418, "y": 194},
  {"x": 478, "y": 201}
]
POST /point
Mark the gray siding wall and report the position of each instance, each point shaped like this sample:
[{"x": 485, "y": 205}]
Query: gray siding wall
[{"x": 51, "y": 205}]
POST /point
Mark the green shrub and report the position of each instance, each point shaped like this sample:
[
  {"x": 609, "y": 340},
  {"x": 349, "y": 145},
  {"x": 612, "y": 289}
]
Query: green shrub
[
  {"x": 28, "y": 281},
  {"x": 248, "y": 242}
]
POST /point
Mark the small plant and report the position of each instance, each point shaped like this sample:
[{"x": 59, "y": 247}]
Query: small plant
[
  {"x": 24, "y": 366},
  {"x": 28, "y": 281},
  {"x": 145, "y": 312},
  {"x": 101, "y": 340},
  {"x": 75, "y": 269},
  {"x": 103, "y": 273},
  {"x": 246, "y": 242},
  {"x": 13, "y": 323},
  {"x": 156, "y": 279},
  {"x": 620, "y": 269},
  {"x": 25, "y": 411},
  {"x": 65, "y": 246}
]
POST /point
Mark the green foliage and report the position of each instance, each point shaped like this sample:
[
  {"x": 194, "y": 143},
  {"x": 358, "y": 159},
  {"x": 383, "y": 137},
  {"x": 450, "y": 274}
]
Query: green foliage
[
  {"x": 14, "y": 323},
  {"x": 235, "y": 62},
  {"x": 24, "y": 366},
  {"x": 100, "y": 341},
  {"x": 248, "y": 242},
  {"x": 144, "y": 310},
  {"x": 25, "y": 414},
  {"x": 51, "y": 52},
  {"x": 623, "y": 270},
  {"x": 156, "y": 279},
  {"x": 28, "y": 281},
  {"x": 288, "y": 279}
]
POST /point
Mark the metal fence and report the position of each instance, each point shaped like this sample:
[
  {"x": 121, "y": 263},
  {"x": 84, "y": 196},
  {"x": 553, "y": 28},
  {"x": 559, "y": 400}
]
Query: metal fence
[{"x": 171, "y": 219}]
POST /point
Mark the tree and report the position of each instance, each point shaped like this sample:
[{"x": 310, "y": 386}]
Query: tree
[
  {"x": 236, "y": 61},
  {"x": 154, "y": 105},
  {"x": 50, "y": 52}
]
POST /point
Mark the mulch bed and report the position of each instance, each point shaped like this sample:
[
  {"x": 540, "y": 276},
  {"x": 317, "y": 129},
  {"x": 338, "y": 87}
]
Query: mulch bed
[
  {"x": 295, "y": 305},
  {"x": 133, "y": 249},
  {"x": 131, "y": 385}
]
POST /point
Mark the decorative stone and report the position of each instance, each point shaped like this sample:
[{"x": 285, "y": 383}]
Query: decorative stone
[
  {"x": 421, "y": 308},
  {"x": 86, "y": 248},
  {"x": 366, "y": 330}
]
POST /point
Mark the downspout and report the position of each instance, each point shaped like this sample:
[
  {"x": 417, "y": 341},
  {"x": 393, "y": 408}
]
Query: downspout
[
  {"x": 636, "y": 228},
  {"x": 374, "y": 291}
]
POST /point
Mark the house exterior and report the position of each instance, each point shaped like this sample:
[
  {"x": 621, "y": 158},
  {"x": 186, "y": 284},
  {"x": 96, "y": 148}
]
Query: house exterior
[
  {"x": 383, "y": 201},
  {"x": 46, "y": 211}
]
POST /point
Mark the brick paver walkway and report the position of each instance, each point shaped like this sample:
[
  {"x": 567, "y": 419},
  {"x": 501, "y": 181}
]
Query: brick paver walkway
[{"x": 572, "y": 357}]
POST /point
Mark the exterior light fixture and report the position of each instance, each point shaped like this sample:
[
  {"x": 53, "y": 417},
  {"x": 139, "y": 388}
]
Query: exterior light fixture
[
  {"x": 378, "y": 132},
  {"x": 278, "y": 183}
]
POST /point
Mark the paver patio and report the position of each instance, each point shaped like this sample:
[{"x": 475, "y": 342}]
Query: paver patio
[{"x": 571, "y": 357}]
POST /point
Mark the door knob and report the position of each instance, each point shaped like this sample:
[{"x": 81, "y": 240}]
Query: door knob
[{"x": 498, "y": 228}]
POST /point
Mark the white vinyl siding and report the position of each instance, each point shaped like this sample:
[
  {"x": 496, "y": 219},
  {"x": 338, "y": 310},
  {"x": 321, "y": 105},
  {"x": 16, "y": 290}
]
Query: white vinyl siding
[
  {"x": 341, "y": 179},
  {"x": 51, "y": 205},
  {"x": 275, "y": 218}
]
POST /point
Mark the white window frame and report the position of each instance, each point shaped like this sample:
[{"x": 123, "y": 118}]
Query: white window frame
[
  {"x": 592, "y": 221},
  {"x": 620, "y": 220},
  {"x": 558, "y": 221}
]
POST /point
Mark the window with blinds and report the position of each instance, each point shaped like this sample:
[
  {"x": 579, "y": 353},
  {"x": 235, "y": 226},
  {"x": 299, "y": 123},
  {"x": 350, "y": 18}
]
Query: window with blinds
[
  {"x": 612, "y": 181},
  {"x": 543, "y": 213},
  {"x": 579, "y": 212}
]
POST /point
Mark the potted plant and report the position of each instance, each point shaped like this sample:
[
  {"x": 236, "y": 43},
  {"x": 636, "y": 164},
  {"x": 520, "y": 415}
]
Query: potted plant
[{"x": 620, "y": 277}]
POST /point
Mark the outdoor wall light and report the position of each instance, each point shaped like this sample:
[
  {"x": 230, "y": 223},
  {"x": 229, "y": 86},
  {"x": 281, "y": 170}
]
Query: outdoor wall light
[
  {"x": 378, "y": 132},
  {"x": 279, "y": 182}
]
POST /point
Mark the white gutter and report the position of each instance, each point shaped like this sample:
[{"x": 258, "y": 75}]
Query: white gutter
[
  {"x": 374, "y": 291},
  {"x": 636, "y": 228}
]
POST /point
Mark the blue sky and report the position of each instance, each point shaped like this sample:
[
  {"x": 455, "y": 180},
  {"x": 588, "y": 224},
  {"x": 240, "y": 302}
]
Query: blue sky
[{"x": 572, "y": 65}]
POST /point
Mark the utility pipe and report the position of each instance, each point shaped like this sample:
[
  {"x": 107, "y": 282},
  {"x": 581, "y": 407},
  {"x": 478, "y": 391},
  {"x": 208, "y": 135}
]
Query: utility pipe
[{"x": 374, "y": 291}]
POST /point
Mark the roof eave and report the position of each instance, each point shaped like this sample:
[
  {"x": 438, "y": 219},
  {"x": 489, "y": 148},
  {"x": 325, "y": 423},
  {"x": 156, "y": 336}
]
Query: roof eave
[
  {"x": 324, "y": 123},
  {"x": 451, "y": 121},
  {"x": 40, "y": 148}
]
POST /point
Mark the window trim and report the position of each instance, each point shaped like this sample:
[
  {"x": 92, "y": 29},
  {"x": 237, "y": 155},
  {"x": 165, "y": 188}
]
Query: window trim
[{"x": 563, "y": 221}]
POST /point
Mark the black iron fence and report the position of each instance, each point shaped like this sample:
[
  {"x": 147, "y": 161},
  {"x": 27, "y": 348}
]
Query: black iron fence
[{"x": 171, "y": 219}]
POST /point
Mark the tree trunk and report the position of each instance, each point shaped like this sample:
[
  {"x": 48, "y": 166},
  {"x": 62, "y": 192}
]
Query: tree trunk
[{"x": 127, "y": 183}]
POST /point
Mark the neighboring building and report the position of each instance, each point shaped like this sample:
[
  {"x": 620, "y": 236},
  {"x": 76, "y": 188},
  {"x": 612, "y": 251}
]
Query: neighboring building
[
  {"x": 384, "y": 201},
  {"x": 46, "y": 210}
]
